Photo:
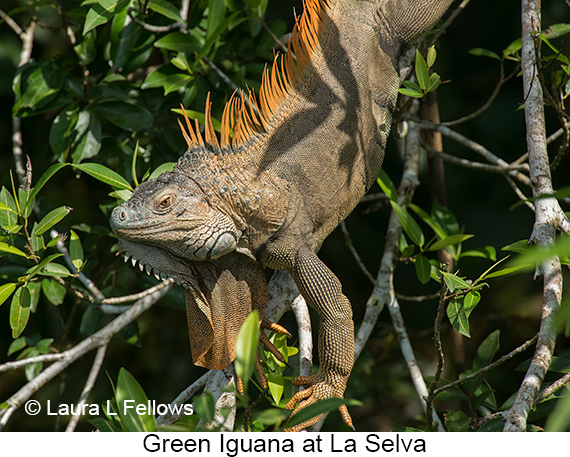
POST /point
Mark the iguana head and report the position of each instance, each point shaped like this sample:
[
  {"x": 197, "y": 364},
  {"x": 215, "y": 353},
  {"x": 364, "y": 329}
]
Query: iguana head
[{"x": 170, "y": 218}]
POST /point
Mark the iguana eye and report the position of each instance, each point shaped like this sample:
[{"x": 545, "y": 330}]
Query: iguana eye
[{"x": 164, "y": 203}]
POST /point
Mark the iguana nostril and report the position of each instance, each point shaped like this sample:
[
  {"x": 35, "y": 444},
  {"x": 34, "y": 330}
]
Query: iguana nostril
[{"x": 122, "y": 215}]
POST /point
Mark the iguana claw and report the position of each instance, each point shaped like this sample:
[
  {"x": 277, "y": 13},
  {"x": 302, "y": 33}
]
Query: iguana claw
[{"x": 317, "y": 390}]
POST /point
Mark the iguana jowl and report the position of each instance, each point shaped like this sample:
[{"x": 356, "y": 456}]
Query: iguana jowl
[{"x": 298, "y": 162}]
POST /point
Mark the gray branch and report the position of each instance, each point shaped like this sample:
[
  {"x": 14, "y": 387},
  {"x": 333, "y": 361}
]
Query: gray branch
[{"x": 547, "y": 219}]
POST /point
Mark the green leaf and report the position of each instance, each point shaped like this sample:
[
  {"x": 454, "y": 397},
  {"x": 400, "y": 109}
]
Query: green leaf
[
  {"x": 456, "y": 422},
  {"x": 35, "y": 289},
  {"x": 86, "y": 141},
  {"x": 506, "y": 271},
  {"x": 17, "y": 345},
  {"x": 428, "y": 220},
  {"x": 104, "y": 174},
  {"x": 216, "y": 14},
  {"x": 4, "y": 207},
  {"x": 484, "y": 53},
  {"x": 6, "y": 290},
  {"x": 213, "y": 38},
  {"x": 37, "y": 268},
  {"x": 487, "y": 351},
  {"x": 387, "y": 185},
  {"x": 276, "y": 386},
  {"x": 246, "y": 348},
  {"x": 62, "y": 130},
  {"x": 409, "y": 225},
  {"x": 8, "y": 219},
  {"x": 56, "y": 270},
  {"x": 20, "y": 311},
  {"x": 53, "y": 291},
  {"x": 75, "y": 250},
  {"x": 129, "y": 394},
  {"x": 454, "y": 282},
  {"x": 513, "y": 48},
  {"x": 536, "y": 254},
  {"x": 411, "y": 93},
  {"x": 559, "y": 419},
  {"x": 412, "y": 85},
  {"x": 431, "y": 56},
  {"x": 320, "y": 407},
  {"x": 205, "y": 407},
  {"x": 445, "y": 219},
  {"x": 457, "y": 316},
  {"x": 556, "y": 31},
  {"x": 44, "y": 179},
  {"x": 4, "y": 247},
  {"x": 40, "y": 84},
  {"x": 487, "y": 252},
  {"x": 433, "y": 82},
  {"x": 422, "y": 72},
  {"x": 125, "y": 115},
  {"x": 123, "y": 46},
  {"x": 162, "y": 169},
  {"x": 90, "y": 321},
  {"x": 180, "y": 42},
  {"x": 165, "y": 9},
  {"x": 50, "y": 219},
  {"x": 103, "y": 11},
  {"x": 168, "y": 77},
  {"x": 423, "y": 268},
  {"x": 448, "y": 241}
]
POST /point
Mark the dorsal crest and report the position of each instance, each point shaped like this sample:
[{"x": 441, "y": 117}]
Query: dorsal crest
[{"x": 244, "y": 117}]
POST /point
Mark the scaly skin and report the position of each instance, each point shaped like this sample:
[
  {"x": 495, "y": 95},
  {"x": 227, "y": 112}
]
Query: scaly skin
[{"x": 270, "y": 195}]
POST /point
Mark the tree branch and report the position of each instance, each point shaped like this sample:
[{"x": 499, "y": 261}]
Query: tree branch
[
  {"x": 476, "y": 147},
  {"x": 95, "y": 368},
  {"x": 547, "y": 217}
]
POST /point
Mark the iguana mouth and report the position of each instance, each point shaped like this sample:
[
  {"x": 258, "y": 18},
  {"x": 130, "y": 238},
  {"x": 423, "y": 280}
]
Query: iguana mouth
[{"x": 154, "y": 258}]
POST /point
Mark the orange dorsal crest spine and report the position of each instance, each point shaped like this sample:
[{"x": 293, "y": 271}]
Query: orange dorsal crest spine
[{"x": 244, "y": 117}]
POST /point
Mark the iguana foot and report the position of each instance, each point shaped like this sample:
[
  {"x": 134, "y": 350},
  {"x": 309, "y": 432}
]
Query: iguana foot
[
  {"x": 262, "y": 378},
  {"x": 266, "y": 323},
  {"x": 319, "y": 389}
]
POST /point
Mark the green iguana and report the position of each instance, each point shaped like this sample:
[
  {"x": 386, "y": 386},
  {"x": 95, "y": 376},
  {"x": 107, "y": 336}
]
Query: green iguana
[{"x": 285, "y": 172}]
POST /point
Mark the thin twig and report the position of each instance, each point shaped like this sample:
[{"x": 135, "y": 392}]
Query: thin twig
[
  {"x": 95, "y": 369},
  {"x": 277, "y": 41},
  {"x": 416, "y": 298},
  {"x": 155, "y": 28},
  {"x": 139, "y": 295},
  {"x": 476, "y": 147},
  {"x": 442, "y": 306},
  {"x": 448, "y": 21},
  {"x": 355, "y": 254},
  {"x": 12, "y": 24},
  {"x": 472, "y": 165},
  {"x": 489, "y": 101},
  {"x": 553, "y": 388},
  {"x": 496, "y": 363},
  {"x": 16, "y": 364},
  {"x": 17, "y": 142}
]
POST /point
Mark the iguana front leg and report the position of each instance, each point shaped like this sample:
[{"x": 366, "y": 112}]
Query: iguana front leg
[{"x": 322, "y": 291}]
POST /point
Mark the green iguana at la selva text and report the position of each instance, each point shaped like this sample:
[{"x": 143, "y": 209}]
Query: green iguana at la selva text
[{"x": 289, "y": 166}]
